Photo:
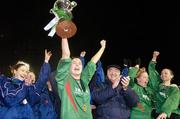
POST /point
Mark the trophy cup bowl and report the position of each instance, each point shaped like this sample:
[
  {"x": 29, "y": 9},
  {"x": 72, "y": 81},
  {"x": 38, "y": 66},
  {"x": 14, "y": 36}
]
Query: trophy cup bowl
[{"x": 66, "y": 29}]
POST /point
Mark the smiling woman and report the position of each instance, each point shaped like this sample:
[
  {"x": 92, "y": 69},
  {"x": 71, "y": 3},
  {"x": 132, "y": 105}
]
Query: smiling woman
[
  {"x": 14, "y": 94},
  {"x": 166, "y": 94},
  {"x": 73, "y": 80}
]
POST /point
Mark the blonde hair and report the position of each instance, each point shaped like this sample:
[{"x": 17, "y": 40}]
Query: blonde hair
[
  {"x": 17, "y": 65},
  {"x": 140, "y": 71},
  {"x": 24, "y": 63}
]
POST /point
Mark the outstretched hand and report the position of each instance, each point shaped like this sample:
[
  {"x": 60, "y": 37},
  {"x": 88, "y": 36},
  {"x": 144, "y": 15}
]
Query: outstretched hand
[
  {"x": 155, "y": 55},
  {"x": 48, "y": 55},
  {"x": 103, "y": 43},
  {"x": 83, "y": 53},
  {"x": 98, "y": 55}
]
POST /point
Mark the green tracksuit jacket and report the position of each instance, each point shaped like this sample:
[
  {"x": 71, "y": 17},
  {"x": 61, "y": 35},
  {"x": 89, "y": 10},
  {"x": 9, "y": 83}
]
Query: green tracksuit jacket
[
  {"x": 167, "y": 97},
  {"x": 145, "y": 97}
]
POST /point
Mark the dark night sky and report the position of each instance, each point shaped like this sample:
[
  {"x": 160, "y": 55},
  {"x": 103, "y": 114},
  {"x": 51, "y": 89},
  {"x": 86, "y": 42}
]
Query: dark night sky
[{"x": 132, "y": 29}]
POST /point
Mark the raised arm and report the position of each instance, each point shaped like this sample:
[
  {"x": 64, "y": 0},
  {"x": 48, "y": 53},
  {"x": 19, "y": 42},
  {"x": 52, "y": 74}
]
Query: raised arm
[
  {"x": 47, "y": 56},
  {"x": 154, "y": 76},
  {"x": 155, "y": 55},
  {"x": 65, "y": 48},
  {"x": 98, "y": 55},
  {"x": 44, "y": 72},
  {"x": 82, "y": 55}
]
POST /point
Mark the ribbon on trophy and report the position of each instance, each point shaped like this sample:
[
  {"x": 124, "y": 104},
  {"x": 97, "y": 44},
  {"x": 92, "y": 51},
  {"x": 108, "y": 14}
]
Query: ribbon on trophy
[{"x": 62, "y": 23}]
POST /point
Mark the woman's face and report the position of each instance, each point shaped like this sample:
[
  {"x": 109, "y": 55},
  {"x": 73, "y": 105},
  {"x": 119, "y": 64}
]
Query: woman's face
[
  {"x": 30, "y": 78},
  {"x": 76, "y": 67},
  {"x": 166, "y": 75},
  {"x": 142, "y": 79},
  {"x": 21, "y": 72}
]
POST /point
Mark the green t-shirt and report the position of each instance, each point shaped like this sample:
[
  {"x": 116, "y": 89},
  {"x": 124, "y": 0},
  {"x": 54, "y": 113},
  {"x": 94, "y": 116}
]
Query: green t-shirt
[{"x": 75, "y": 98}]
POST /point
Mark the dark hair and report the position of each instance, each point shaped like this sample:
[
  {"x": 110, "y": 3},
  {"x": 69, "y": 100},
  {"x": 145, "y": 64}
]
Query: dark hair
[
  {"x": 15, "y": 67},
  {"x": 115, "y": 66}
]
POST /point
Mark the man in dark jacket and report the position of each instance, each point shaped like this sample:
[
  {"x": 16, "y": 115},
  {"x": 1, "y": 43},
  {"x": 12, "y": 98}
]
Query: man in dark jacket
[{"x": 114, "y": 98}]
